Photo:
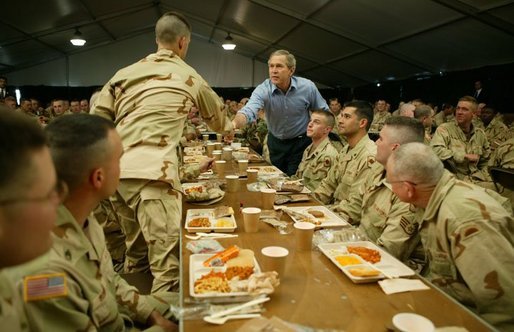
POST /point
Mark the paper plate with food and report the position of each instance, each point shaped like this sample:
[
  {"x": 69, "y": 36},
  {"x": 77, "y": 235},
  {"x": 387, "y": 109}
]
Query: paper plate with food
[
  {"x": 267, "y": 170},
  {"x": 202, "y": 193},
  {"x": 196, "y": 159},
  {"x": 318, "y": 215},
  {"x": 363, "y": 261},
  {"x": 219, "y": 219},
  {"x": 232, "y": 272},
  {"x": 194, "y": 150}
]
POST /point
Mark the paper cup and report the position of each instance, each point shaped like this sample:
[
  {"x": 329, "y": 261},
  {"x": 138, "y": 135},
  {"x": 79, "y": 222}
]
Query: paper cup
[
  {"x": 252, "y": 175},
  {"x": 232, "y": 183},
  {"x": 216, "y": 154},
  {"x": 409, "y": 322},
  {"x": 219, "y": 138},
  {"x": 274, "y": 259},
  {"x": 219, "y": 168},
  {"x": 268, "y": 198},
  {"x": 251, "y": 219},
  {"x": 227, "y": 154},
  {"x": 205, "y": 137},
  {"x": 303, "y": 234},
  {"x": 210, "y": 149},
  {"x": 243, "y": 165},
  {"x": 218, "y": 146}
]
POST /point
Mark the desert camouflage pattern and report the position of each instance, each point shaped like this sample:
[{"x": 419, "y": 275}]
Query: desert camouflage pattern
[
  {"x": 469, "y": 241},
  {"x": 385, "y": 219},
  {"x": 496, "y": 132},
  {"x": 428, "y": 135},
  {"x": 149, "y": 102},
  {"x": 504, "y": 157},
  {"x": 441, "y": 118},
  {"x": 450, "y": 144},
  {"x": 12, "y": 315},
  {"x": 345, "y": 178},
  {"x": 97, "y": 298},
  {"x": 115, "y": 239},
  {"x": 316, "y": 163},
  {"x": 378, "y": 121}
]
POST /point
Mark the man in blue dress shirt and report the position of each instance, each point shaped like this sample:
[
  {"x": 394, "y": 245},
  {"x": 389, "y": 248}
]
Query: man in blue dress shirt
[{"x": 286, "y": 100}]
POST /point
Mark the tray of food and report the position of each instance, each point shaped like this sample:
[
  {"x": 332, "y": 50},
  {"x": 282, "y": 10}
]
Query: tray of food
[
  {"x": 363, "y": 261},
  {"x": 194, "y": 150},
  {"x": 267, "y": 170},
  {"x": 231, "y": 273},
  {"x": 318, "y": 215},
  {"x": 193, "y": 159},
  {"x": 203, "y": 193},
  {"x": 219, "y": 219},
  {"x": 255, "y": 158}
]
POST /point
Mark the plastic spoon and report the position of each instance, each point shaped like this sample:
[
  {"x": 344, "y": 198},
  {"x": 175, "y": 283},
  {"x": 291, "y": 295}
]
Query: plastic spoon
[{"x": 223, "y": 320}]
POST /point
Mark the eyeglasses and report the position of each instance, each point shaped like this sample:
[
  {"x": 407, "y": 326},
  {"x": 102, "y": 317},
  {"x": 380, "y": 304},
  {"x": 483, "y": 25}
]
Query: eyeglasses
[{"x": 57, "y": 194}]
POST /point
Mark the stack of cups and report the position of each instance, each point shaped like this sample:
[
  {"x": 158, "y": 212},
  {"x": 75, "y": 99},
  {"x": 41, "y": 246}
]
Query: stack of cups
[
  {"x": 303, "y": 235},
  {"x": 219, "y": 168},
  {"x": 251, "y": 219},
  {"x": 217, "y": 154},
  {"x": 232, "y": 183},
  {"x": 268, "y": 198}
]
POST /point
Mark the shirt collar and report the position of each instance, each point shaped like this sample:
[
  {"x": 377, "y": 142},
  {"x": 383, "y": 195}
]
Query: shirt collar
[{"x": 294, "y": 84}]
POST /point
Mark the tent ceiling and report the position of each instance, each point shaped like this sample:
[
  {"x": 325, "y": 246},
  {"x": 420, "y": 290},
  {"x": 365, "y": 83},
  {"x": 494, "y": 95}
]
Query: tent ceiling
[{"x": 339, "y": 43}]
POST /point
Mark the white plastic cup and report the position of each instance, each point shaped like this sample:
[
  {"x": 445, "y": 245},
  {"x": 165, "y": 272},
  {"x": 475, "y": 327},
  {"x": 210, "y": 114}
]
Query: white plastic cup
[
  {"x": 251, "y": 219},
  {"x": 274, "y": 259},
  {"x": 268, "y": 198},
  {"x": 303, "y": 235},
  {"x": 219, "y": 167},
  {"x": 232, "y": 183}
]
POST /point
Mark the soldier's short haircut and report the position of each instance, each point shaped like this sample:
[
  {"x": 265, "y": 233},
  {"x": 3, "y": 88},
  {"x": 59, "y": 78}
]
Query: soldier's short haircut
[
  {"x": 406, "y": 130},
  {"x": 290, "y": 59},
  {"x": 472, "y": 100},
  {"x": 417, "y": 163},
  {"x": 422, "y": 111},
  {"x": 20, "y": 138},
  {"x": 364, "y": 110},
  {"x": 170, "y": 27},
  {"x": 330, "y": 120},
  {"x": 78, "y": 144}
]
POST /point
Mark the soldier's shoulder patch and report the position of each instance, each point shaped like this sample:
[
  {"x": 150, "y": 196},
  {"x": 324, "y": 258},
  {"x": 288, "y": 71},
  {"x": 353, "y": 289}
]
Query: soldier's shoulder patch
[{"x": 44, "y": 286}]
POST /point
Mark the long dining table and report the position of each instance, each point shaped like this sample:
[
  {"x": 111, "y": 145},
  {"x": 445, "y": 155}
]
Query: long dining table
[{"x": 313, "y": 292}]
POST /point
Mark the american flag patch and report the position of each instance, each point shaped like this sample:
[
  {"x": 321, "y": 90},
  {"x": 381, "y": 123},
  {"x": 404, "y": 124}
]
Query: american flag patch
[{"x": 44, "y": 286}]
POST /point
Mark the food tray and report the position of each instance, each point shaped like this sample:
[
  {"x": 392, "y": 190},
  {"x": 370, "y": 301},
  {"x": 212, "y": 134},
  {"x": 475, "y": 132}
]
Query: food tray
[
  {"x": 330, "y": 219},
  {"x": 267, "y": 170},
  {"x": 197, "y": 270},
  {"x": 388, "y": 264},
  {"x": 194, "y": 150},
  {"x": 209, "y": 213}
]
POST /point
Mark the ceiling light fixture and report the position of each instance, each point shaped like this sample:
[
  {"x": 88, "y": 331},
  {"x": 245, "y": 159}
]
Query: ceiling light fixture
[
  {"x": 77, "y": 39},
  {"x": 228, "y": 43}
]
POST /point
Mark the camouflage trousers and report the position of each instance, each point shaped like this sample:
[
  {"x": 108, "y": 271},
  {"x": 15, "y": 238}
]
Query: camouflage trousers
[{"x": 150, "y": 213}]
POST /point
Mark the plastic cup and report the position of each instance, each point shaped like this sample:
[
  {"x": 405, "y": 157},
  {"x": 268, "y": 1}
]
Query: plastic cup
[
  {"x": 219, "y": 138},
  {"x": 232, "y": 183},
  {"x": 227, "y": 154},
  {"x": 303, "y": 234},
  {"x": 205, "y": 138},
  {"x": 218, "y": 145},
  {"x": 219, "y": 167},
  {"x": 251, "y": 219},
  {"x": 410, "y": 322},
  {"x": 268, "y": 198},
  {"x": 210, "y": 149},
  {"x": 216, "y": 154},
  {"x": 243, "y": 165},
  {"x": 252, "y": 175},
  {"x": 274, "y": 259}
]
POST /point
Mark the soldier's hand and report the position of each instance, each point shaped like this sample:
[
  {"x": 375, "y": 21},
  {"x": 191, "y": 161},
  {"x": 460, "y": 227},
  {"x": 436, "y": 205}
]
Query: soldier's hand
[
  {"x": 206, "y": 164},
  {"x": 156, "y": 318},
  {"x": 472, "y": 157}
]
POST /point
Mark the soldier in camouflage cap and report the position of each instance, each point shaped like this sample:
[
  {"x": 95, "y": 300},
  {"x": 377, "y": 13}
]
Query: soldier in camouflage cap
[
  {"x": 149, "y": 102},
  {"x": 467, "y": 232}
]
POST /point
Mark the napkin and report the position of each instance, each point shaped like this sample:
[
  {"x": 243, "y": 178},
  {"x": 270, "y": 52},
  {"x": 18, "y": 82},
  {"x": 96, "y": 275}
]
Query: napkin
[{"x": 391, "y": 286}]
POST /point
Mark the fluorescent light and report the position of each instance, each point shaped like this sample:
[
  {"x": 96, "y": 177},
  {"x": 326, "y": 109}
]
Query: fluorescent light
[
  {"x": 77, "y": 39},
  {"x": 228, "y": 44}
]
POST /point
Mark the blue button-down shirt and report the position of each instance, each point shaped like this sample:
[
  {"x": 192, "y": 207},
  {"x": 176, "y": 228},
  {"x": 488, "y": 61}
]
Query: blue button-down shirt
[{"x": 287, "y": 113}]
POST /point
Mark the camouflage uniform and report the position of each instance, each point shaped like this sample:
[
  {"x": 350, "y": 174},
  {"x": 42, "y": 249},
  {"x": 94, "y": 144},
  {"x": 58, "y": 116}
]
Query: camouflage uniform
[
  {"x": 428, "y": 135},
  {"x": 504, "y": 157},
  {"x": 385, "y": 219},
  {"x": 450, "y": 144},
  {"x": 12, "y": 315},
  {"x": 496, "y": 132},
  {"x": 469, "y": 237},
  {"x": 149, "y": 102},
  {"x": 378, "y": 121},
  {"x": 97, "y": 298},
  {"x": 316, "y": 164},
  {"x": 440, "y": 118},
  {"x": 351, "y": 169}
]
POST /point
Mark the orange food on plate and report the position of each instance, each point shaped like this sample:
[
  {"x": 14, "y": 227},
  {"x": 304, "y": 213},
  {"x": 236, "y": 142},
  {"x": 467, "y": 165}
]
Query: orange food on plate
[
  {"x": 243, "y": 272},
  {"x": 347, "y": 260},
  {"x": 369, "y": 255},
  {"x": 212, "y": 282},
  {"x": 363, "y": 272},
  {"x": 199, "y": 222}
]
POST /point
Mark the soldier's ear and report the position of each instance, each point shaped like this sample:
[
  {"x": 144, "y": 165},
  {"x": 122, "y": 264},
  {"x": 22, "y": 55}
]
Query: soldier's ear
[{"x": 97, "y": 178}]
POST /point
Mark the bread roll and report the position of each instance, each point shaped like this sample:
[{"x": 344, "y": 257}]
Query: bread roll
[{"x": 245, "y": 258}]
